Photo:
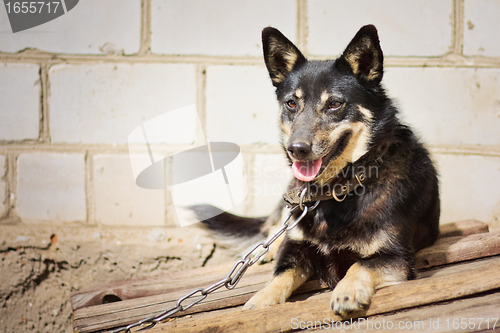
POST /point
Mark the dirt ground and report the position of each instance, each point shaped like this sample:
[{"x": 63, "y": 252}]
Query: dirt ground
[{"x": 41, "y": 265}]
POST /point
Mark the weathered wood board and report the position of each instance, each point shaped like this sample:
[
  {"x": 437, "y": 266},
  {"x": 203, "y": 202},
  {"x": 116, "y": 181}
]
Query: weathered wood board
[
  {"x": 153, "y": 296},
  {"x": 461, "y": 281}
]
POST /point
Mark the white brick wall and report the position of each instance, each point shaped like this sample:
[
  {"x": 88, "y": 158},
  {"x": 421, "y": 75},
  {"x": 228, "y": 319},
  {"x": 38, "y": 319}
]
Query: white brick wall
[
  {"x": 51, "y": 187},
  {"x": 91, "y": 27},
  {"x": 449, "y": 105},
  {"x": 118, "y": 200},
  {"x": 481, "y": 24},
  {"x": 106, "y": 67},
  {"x": 3, "y": 170},
  {"x": 103, "y": 103},
  {"x": 20, "y": 101},
  {"x": 241, "y": 95},
  {"x": 406, "y": 28},
  {"x": 218, "y": 27},
  {"x": 469, "y": 187}
]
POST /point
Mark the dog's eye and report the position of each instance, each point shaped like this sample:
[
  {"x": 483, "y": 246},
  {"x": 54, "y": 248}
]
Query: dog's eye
[
  {"x": 291, "y": 104},
  {"x": 334, "y": 105}
]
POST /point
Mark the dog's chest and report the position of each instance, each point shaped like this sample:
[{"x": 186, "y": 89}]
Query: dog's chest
[{"x": 329, "y": 236}]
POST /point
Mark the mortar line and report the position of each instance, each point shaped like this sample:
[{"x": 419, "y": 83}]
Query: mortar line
[
  {"x": 11, "y": 185},
  {"x": 201, "y": 86},
  {"x": 458, "y": 27},
  {"x": 169, "y": 214},
  {"x": 89, "y": 188},
  {"x": 145, "y": 47},
  {"x": 44, "y": 131},
  {"x": 5, "y": 178},
  {"x": 249, "y": 161},
  {"x": 302, "y": 27},
  {"x": 447, "y": 60},
  {"x": 162, "y": 149}
]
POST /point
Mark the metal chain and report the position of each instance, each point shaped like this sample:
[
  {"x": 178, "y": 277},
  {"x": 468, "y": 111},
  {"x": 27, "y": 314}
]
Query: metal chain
[{"x": 232, "y": 278}]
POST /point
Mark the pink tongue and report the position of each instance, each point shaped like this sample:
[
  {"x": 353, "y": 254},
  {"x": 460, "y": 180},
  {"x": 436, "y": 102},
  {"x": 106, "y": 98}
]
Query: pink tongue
[{"x": 306, "y": 171}]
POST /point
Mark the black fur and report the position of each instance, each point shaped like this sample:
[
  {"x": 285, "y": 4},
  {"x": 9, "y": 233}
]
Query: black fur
[
  {"x": 227, "y": 224},
  {"x": 406, "y": 178}
]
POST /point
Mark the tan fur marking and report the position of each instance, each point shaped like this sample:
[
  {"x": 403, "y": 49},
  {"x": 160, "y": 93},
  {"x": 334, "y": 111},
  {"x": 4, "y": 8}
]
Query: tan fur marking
[
  {"x": 278, "y": 290},
  {"x": 291, "y": 58},
  {"x": 380, "y": 240},
  {"x": 289, "y": 55},
  {"x": 299, "y": 93},
  {"x": 366, "y": 113},
  {"x": 324, "y": 96},
  {"x": 323, "y": 99},
  {"x": 278, "y": 78},
  {"x": 285, "y": 129},
  {"x": 357, "y": 147},
  {"x": 295, "y": 234},
  {"x": 353, "y": 57}
]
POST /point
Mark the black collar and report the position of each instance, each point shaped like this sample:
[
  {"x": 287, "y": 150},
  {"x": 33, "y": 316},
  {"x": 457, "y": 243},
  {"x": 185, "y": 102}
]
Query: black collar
[{"x": 338, "y": 187}]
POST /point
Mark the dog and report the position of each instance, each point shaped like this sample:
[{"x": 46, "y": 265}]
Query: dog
[{"x": 373, "y": 183}]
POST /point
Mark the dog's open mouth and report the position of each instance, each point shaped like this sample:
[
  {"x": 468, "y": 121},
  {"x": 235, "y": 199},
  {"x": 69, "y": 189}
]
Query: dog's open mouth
[
  {"x": 309, "y": 170},
  {"x": 306, "y": 170}
]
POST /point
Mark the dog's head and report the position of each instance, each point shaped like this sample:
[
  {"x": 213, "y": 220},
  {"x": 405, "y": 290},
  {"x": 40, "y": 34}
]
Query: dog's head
[{"x": 329, "y": 109}]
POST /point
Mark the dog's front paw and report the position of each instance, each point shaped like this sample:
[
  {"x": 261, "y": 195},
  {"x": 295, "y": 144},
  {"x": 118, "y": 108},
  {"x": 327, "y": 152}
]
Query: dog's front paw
[
  {"x": 350, "y": 295},
  {"x": 262, "y": 299}
]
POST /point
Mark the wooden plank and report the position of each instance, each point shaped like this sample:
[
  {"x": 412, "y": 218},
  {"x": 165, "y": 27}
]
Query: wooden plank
[
  {"x": 191, "y": 279},
  {"x": 467, "y": 315},
  {"x": 111, "y": 315},
  {"x": 130, "y": 289},
  {"x": 105, "y": 316},
  {"x": 456, "y": 249},
  {"x": 462, "y": 228},
  {"x": 409, "y": 294}
]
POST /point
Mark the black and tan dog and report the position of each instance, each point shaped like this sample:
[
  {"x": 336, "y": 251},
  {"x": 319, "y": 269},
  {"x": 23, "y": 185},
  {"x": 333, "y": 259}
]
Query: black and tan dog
[{"x": 375, "y": 183}]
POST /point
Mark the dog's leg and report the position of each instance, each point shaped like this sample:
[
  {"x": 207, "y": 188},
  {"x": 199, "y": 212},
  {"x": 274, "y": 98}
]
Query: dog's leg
[
  {"x": 358, "y": 286},
  {"x": 279, "y": 289}
]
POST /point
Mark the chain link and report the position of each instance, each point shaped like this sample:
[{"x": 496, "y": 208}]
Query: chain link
[{"x": 232, "y": 278}]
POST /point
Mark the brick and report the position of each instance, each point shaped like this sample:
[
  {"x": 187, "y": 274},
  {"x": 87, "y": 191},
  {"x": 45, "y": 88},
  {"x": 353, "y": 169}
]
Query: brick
[
  {"x": 480, "y": 24},
  {"x": 91, "y": 27},
  {"x": 51, "y": 187},
  {"x": 406, "y": 28},
  {"x": 104, "y": 103},
  {"x": 270, "y": 176},
  {"x": 20, "y": 100},
  {"x": 3, "y": 170},
  {"x": 118, "y": 200},
  {"x": 218, "y": 27},
  {"x": 241, "y": 105},
  {"x": 469, "y": 187},
  {"x": 449, "y": 105}
]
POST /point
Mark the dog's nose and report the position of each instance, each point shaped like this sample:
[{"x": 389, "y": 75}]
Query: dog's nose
[{"x": 299, "y": 150}]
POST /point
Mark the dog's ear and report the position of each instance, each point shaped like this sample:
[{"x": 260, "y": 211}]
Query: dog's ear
[
  {"x": 280, "y": 55},
  {"x": 364, "y": 55}
]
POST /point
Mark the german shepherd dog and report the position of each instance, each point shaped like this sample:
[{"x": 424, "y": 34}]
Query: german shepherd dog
[{"x": 375, "y": 182}]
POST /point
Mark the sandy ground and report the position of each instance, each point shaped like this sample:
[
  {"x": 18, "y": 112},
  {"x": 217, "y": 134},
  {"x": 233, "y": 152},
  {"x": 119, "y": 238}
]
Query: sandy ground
[{"x": 41, "y": 265}]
